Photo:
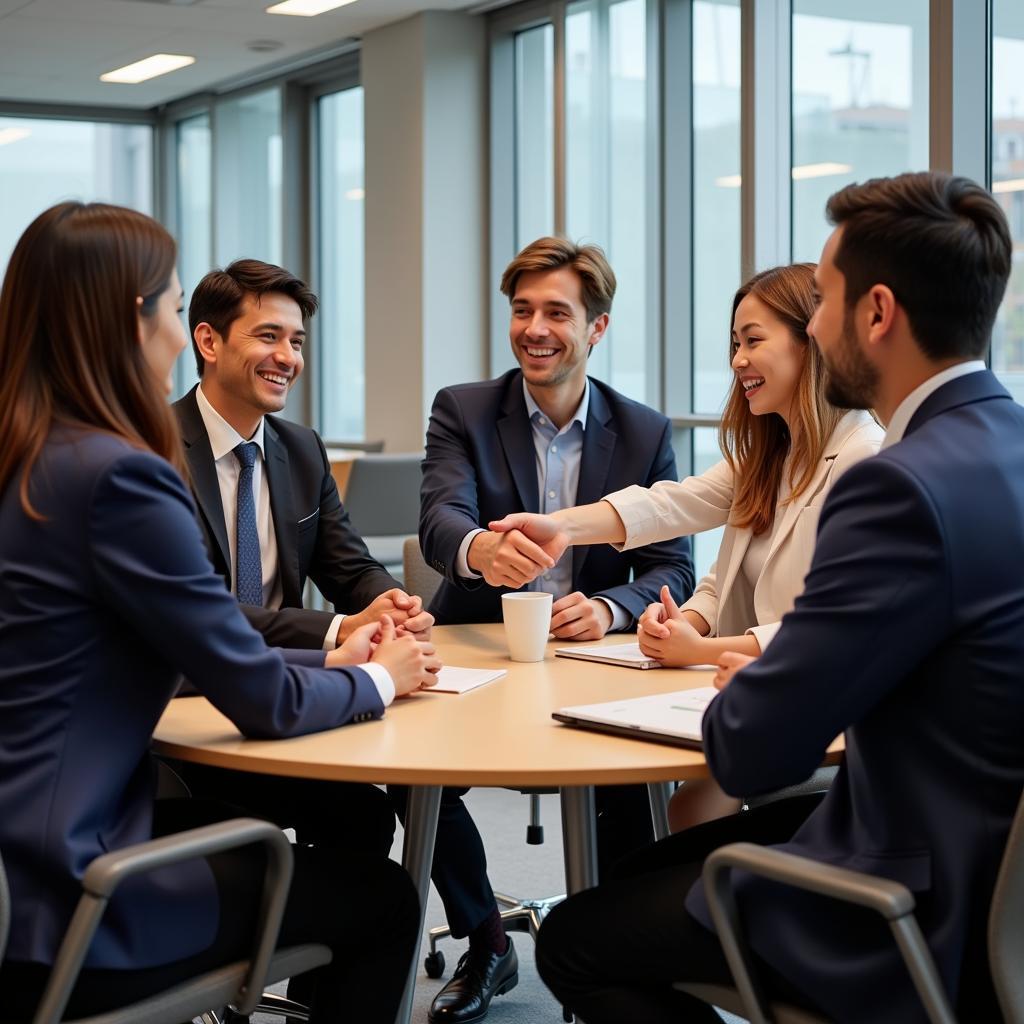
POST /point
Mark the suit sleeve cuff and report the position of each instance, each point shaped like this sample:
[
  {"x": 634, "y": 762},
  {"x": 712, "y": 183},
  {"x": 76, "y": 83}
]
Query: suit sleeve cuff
[
  {"x": 381, "y": 678},
  {"x": 462, "y": 568},
  {"x": 621, "y": 619},
  {"x": 331, "y": 637}
]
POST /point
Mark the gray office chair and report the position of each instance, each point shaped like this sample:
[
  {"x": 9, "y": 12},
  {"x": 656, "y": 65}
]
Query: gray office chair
[
  {"x": 238, "y": 984},
  {"x": 383, "y": 501},
  {"x": 419, "y": 577},
  {"x": 375, "y": 447},
  {"x": 890, "y": 899}
]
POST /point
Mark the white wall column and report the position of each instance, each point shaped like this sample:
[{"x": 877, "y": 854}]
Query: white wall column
[{"x": 425, "y": 95}]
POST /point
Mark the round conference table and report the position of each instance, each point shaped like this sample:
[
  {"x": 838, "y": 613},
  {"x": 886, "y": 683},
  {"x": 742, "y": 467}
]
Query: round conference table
[{"x": 500, "y": 734}]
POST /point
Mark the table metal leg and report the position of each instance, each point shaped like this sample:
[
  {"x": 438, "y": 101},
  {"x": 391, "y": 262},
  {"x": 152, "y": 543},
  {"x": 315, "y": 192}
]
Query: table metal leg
[
  {"x": 579, "y": 836},
  {"x": 659, "y": 793},
  {"x": 417, "y": 858}
]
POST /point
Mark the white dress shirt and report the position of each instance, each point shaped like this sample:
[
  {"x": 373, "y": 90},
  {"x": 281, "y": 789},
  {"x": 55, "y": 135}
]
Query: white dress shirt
[
  {"x": 223, "y": 441},
  {"x": 904, "y": 412}
]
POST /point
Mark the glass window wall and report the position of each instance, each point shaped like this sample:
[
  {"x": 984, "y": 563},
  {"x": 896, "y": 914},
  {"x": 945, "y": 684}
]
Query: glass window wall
[
  {"x": 860, "y": 102},
  {"x": 339, "y": 324},
  {"x": 1008, "y": 182},
  {"x": 607, "y": 193},
  {"x": 535, "y": 134},
  {"x": 43, "y": 162},
  {"x": 248, "y": 162}
]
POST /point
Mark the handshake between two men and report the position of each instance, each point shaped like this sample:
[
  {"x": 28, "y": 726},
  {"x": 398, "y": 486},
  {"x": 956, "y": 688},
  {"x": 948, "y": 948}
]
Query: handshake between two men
[{"x": 521, "y": 548}]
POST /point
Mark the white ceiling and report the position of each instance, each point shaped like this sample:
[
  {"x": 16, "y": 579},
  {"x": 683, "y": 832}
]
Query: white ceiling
[{"x": 54, "y": 51}]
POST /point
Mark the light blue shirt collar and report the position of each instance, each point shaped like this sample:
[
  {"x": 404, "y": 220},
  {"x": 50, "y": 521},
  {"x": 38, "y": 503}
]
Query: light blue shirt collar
[{"x": 579, "y": 416}]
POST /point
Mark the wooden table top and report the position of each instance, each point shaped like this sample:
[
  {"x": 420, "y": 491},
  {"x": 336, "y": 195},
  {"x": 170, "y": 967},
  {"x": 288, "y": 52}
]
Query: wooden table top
[{"x": 500, "y": 734}]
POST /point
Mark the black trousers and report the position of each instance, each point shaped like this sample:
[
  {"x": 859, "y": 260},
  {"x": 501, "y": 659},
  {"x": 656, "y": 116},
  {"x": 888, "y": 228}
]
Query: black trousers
[
  {"x": 459, "y": 871},
  {"x": 364, "y": 908},
  {"x": 611, "y": 954},
  {"x": 348, "y": 817}
]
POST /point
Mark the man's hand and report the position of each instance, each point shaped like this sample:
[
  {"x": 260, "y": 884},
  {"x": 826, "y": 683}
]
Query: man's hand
[
  {"x": 403, "y": 610},
  {"x": 507, "y": 559},
  {"x": 357, "y": 649},
  {"x": 411, "y": 663},
  {"x": 577, "y": 617},
  {"x": 729, "y": 663},
  {"x": 545, "y": 531}
]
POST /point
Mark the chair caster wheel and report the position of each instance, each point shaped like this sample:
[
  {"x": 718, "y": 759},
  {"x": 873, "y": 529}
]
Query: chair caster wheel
[{"x": 434, "y": 964}]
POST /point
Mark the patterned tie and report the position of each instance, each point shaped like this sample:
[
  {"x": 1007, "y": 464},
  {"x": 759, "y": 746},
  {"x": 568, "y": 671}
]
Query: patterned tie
[{"x": 248, "y": 568}]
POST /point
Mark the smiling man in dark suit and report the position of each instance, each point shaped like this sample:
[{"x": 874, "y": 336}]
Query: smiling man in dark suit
[
  {"x": 538, "y": 438},
  {"x": 271, "y": 517}
]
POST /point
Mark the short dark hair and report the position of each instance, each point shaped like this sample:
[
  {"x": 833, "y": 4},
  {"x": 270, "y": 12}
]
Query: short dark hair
[
  {"x": 217, "y": 299},
  {"x": 940, "y": 242},
  {"x": 597, "y": 280}
]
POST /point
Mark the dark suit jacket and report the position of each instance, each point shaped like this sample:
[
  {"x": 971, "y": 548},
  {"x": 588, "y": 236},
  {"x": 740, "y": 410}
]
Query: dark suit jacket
[
  {"x": 315, "y": 537},
  {"x": 481, "y": 465},
  {"x": 910, "y": 637},
  {"x": 102, "y": 606}
]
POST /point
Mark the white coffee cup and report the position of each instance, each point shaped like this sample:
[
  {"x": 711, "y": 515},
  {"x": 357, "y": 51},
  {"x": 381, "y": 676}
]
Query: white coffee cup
[{"x": 527, "y": 624}]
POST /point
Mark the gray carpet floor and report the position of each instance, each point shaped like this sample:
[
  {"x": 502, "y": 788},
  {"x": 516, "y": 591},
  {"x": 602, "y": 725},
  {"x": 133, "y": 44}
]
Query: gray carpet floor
[{"x": 517, "y": 870}]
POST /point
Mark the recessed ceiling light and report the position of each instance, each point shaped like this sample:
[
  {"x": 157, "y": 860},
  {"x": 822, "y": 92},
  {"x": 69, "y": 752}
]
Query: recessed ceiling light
[
  {"x": 307, "y": 8},
  {"x": 8, "y": 135},
  {"x": 151, "y": 67}
]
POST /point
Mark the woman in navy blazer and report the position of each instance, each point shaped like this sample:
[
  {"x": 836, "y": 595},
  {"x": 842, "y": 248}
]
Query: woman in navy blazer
[{"x": 106, "y": 597}]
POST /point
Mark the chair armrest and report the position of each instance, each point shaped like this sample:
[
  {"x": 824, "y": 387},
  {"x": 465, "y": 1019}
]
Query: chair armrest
[
  {"x": 108, "y": 871},
  {"x": 890, "y": 899}
]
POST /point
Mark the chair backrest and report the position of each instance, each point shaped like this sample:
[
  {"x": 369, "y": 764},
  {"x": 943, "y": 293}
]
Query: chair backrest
[
  {"x": 419, "y": 577},
  {"x": 356, "y": 446},
  {"x": 1006, "y": 925},
  {"x": 383, "y": 494}
]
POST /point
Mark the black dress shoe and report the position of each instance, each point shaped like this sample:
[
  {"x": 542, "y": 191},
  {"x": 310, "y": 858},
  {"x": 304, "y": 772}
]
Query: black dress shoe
[{"x": 480, "y": 976}]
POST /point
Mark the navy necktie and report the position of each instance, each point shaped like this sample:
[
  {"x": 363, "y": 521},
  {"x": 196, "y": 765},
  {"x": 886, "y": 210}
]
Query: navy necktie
[{"x": 248, "y": 568}]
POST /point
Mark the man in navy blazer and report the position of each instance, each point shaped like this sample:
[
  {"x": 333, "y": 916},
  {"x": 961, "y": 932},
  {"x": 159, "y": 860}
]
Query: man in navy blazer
[
  {"x": 908, "y": 638},
  {"x": 248, "y": 326},
  {"x": 538, "y": 438}
]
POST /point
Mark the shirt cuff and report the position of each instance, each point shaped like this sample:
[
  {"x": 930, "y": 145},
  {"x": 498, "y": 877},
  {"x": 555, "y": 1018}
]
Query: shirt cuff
[
  {"x": 620, "y": 617},
  {"x": 462, "y": 568},
  {"x": 331, "y": 638},
  {"x": 382, "y": 680}
]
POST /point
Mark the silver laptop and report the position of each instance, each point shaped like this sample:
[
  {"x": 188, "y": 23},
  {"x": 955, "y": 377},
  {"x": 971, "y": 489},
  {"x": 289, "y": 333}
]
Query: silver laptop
[{"x": 663, "y": 717}]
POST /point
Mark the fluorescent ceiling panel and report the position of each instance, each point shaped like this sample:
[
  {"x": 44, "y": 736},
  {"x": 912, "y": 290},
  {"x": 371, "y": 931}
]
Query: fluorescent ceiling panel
[{"x": 151, "y": 67}]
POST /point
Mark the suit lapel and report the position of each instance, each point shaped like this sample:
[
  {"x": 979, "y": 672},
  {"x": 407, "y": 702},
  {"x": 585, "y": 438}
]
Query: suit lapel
[
  {"x": 849, "y": 423},
  {"x": 516, "y": 436},
  {"x": 971, "y": 387},
  {"x": 598, "y": 446},
  {"x": 203, "y": 472},
  {"x": 282, "y": 508}
]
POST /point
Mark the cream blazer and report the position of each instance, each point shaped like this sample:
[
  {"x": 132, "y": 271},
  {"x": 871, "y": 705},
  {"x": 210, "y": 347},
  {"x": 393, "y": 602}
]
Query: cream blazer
[{"x": 698, "y": 503}]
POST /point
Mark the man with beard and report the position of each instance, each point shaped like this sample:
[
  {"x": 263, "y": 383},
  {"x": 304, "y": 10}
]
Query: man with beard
[{"x": 908, "y": 638}]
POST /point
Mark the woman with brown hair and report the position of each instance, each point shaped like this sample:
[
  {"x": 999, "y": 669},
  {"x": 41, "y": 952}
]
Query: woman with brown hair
[
  {"x": 784, "y": 446},
  {"x": 107, "y": 598}
]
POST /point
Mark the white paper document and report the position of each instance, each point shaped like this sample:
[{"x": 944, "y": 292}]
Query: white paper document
[
  {"x": 629, "y": 655},
  {"x": 459, "y": 680}
]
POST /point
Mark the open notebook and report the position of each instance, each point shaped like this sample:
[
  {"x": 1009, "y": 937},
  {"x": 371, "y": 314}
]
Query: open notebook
[{"x": 664, "y": 717}]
